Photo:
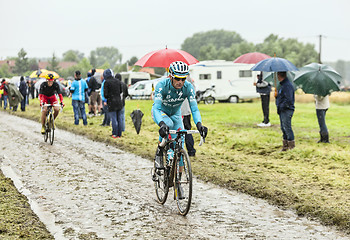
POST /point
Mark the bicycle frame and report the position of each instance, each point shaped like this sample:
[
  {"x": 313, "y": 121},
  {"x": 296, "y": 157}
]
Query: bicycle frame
[{"x": 177, "y": 172}]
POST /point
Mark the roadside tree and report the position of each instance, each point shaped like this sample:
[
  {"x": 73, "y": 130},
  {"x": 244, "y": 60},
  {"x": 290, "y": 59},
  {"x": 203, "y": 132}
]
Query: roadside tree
[{"x": 22, "y": 64}]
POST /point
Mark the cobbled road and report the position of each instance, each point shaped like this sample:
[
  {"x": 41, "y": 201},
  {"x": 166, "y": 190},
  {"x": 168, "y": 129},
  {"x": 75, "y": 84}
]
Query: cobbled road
[{"x": 85, "y": 189}]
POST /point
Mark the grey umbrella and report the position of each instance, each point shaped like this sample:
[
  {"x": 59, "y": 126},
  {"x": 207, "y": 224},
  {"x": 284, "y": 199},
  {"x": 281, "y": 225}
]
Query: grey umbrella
[{"x": 136, "y": 117}]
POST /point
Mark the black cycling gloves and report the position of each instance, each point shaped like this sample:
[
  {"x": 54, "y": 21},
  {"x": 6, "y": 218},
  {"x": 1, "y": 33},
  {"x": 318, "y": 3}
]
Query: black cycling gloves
[
  {"x": 163, "y": 130},
  {"x": 202, "y": 130}
]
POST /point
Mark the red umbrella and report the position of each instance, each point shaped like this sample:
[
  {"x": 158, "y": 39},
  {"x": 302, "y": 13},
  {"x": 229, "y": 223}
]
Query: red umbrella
[
  {"x": 251, "y": 58},
  {"x": 163, "y": 58}
]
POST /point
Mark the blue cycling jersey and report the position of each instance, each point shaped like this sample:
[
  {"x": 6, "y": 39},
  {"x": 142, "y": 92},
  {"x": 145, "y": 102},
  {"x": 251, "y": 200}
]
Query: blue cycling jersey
[{"x": 168, "y": 100}]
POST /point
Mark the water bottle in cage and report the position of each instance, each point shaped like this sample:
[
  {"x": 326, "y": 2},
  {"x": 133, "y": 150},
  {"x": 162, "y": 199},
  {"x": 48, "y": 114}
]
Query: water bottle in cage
[{"x": 170, "y": 155}]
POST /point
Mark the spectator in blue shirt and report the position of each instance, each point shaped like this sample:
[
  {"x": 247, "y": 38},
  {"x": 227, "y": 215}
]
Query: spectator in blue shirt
[{"x": 78, "y": 89}]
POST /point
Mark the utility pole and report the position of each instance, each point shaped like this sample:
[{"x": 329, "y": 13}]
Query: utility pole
[{"x": 319, "y": 52}]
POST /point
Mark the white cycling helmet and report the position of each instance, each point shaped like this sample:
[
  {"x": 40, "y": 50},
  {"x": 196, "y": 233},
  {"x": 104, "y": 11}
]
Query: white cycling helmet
[{"x": 178, "y": 69}]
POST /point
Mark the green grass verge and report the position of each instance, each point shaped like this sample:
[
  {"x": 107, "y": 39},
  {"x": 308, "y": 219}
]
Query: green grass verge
[
  {"x": 313, "y": 179},
  {"x": 17, "y": 220}
]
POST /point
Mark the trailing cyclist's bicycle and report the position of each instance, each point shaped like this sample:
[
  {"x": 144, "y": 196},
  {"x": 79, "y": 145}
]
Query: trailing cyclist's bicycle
[
  {"x": 49, "y": 123},
  {"x": 176, "y": 172}
]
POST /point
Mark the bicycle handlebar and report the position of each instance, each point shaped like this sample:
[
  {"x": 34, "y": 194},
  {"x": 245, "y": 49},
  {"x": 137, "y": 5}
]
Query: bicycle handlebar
[
  {"x": 162, "y": 144},
  {"x": 49, "y": 105}
]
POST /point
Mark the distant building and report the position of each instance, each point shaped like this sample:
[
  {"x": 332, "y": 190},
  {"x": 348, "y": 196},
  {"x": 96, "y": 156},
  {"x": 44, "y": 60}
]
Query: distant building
[
  {"x": 41, "y": 65},
  {"x": 61, "y": 65},
  {"x": 10, "y": 63}
]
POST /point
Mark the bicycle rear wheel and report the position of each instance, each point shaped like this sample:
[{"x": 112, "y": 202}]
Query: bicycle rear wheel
[
  {"x": 183, "y": 180},
  {"x": 52, "y": 129},
  {"x": 161, "y": 183}
]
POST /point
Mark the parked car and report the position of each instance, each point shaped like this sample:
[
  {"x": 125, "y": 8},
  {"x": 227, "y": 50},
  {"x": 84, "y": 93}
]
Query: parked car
[{"x": 143, "y": 89}]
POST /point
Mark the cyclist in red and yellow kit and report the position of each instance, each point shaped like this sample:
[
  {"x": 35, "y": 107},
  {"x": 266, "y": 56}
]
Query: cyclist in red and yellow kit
[{"x": 47, "y": 95}]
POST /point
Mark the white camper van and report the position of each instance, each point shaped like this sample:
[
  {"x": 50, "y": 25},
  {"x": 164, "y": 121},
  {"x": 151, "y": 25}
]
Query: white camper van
[
  {"x": 130, "y": 78},
  {"x": 232, "y": 81}
]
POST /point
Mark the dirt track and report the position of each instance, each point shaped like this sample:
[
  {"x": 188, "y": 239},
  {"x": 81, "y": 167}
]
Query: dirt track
[{"x": 80, "y": 187}]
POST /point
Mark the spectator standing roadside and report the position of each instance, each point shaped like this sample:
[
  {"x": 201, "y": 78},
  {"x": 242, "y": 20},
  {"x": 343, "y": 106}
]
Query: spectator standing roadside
[
  {"x": 285, "y": 109},
  {"x": 322, "y": 105},
  {"x": 1, "y": 96},
  {"x": 14, "y": 96},
  {"x": 32, "y": 88},
  {"x": 87, "y": 94},
  {"x": 27, "y": 99},
  {"x": 23, "y": 90},
  {"x": 112, "y": 92},
  {"x": 106, "y": 119},
  {"x": 95, "y": 92},
  {"x": 4, "y": 87},
  {"x": 125, "y": 93},
  {"x": 78, "y": 89},
  {"x": 264, "y": 89}
]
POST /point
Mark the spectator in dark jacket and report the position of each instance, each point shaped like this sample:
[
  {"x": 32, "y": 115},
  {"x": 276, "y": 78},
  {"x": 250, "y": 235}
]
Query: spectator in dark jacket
[
  {"x": 285, "y": 109},
  {"x": 112, "y": 91},
  {"x": 125, "y": 93},
  {"x": 264, "y": 89},
  {"x": 23, "y": 89}
]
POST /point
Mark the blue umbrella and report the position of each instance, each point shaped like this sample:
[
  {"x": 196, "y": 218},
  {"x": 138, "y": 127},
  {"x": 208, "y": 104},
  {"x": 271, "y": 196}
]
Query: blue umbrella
[{"x": 274, "y": 64}]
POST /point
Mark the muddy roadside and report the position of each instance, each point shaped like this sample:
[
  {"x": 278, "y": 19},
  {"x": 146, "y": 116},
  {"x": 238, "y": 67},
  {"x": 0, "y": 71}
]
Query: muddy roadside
[{"x": 87, "y": 190}]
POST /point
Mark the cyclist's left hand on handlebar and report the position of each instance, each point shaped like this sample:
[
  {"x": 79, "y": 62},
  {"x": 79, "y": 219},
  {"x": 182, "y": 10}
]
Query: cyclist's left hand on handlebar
[
  {"x": 163, "y": 130},
  {"x": 202, "y": 129},
  {"x": 62, "y": 105}
]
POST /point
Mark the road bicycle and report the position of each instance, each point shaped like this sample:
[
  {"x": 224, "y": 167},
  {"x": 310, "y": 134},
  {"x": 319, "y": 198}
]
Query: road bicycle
[
  {"x": 176, "y": 172},
  {"x": 49, "y": 123}
]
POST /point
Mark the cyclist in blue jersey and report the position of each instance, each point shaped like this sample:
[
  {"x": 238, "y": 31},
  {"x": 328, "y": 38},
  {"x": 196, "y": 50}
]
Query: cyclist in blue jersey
[{"x": 168, "y": 97}]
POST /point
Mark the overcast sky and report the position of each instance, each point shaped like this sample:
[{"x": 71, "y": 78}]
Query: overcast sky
[{"x": 138, "y": 27}]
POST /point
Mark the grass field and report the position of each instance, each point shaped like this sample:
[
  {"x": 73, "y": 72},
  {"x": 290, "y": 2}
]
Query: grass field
[{"x": 313, "y": 179}]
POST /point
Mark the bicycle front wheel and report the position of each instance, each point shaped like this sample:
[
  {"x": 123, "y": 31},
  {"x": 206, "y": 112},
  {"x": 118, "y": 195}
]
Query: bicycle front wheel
[
  {"x": 52, "y": 129},
  {"x": 183, "y": 183},
  {"x": 161, "y": 183},
  {"x": 46, "y": 135}
]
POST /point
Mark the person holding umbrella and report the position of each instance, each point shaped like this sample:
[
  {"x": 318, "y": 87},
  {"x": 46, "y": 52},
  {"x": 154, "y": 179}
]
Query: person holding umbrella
[
  {"x": 320, "y": 80},
  {"x": 322, "y": 105},
  {"x": 285, "y": 108},
  {"x": 170, "y": 93}
]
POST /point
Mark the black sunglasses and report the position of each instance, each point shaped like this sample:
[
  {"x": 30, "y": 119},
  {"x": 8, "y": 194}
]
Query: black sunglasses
[{"x": 179, "y": 79}]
